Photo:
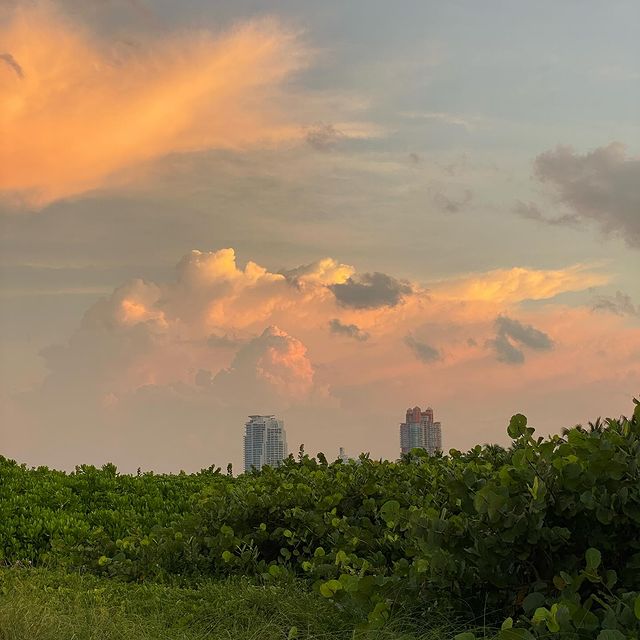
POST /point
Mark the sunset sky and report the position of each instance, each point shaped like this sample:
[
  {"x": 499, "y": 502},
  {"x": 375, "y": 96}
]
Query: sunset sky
[{"x": 330, "y": 211}]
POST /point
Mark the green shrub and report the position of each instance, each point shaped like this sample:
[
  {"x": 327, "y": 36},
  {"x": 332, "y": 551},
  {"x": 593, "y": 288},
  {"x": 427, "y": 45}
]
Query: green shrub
[{"x": 543, "y": 537}]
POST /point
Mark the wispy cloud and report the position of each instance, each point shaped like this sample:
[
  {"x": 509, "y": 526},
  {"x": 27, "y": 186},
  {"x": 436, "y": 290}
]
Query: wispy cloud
[
  {"x": 468, "y": 122},
  {"x": 421, "y": 350},
  {"x": 12, "y": 63},
  {"x": 518, "y": 284},
  {"x": 620, "y": 304},
  {"x": 81, "y": 114},
  {"x": 531, "y": 211}
]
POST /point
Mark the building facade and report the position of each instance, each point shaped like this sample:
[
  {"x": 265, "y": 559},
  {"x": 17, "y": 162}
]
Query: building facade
[
  {"x": 419, "y": 431},
  {"x": 265, "y": 442}
]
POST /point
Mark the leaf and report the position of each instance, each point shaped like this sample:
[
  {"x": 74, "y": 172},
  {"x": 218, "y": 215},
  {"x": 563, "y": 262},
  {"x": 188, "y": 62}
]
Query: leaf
[
  {"x": 540, "y": 615},
  {"x": 534, "y": 489},
  {"x": 390, "y": 511},
  {"x": 636, "y": 604},
  {"x": 611, "y": 634},
  {"x": 467, "y": 635},
  {"x": 594, "y": 558},
  {"x": 532, "y": 602},
  {"x": 330, "y": 588},
  {"x": 293, "y": 633},
  {"x": 517, "y": 426},
  {"x": 507, "y": 624}
]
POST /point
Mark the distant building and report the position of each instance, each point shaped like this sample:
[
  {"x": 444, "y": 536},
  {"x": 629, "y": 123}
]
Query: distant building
[
  {"x": 420, "y": 431},
  {"x": 342, "y": 455},
  {"x": 265, "y": 442}
]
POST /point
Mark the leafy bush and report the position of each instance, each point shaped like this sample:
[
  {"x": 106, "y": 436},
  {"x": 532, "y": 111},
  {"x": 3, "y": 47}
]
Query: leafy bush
[{"x": 543, "y": 538}]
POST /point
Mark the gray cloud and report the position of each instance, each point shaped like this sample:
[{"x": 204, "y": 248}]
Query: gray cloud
[
  {"x": 9, "y": 60},
  {"x": 349, "y": 330},
  {"x": 452, "y": 204},
  {"x": 620, "y": 304},
  {"x": 531, "y": 211},
  {"x": 508, "y": 332},
  {"x": 421, "y": 350},
  {"x": 602, "y": 185},
  {"x": 371, "y": 290},
  {"x": 505, "y": 350},
  {"x": 323, "y": 137}
]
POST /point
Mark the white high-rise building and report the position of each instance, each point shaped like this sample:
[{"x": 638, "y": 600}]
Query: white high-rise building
[
  {"x": 419, "y": 431},
  {"x": 265, "y": 442}
]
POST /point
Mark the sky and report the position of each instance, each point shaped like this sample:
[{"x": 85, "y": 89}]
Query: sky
[{"x": 326, "y": 211}]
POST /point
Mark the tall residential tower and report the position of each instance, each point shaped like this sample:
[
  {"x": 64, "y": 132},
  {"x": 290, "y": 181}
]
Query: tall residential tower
[
  {"x": 420, "y": 431},
  {"x": 265, "y": 442}
]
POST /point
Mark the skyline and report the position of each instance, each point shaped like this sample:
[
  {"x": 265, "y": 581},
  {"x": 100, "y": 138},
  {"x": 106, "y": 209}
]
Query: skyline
[{"x": 328, "y": 212}]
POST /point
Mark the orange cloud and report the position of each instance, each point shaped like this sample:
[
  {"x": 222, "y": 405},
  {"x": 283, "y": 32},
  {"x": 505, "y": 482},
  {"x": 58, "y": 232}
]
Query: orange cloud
[
  {"x": 192, "y": 355},
  {"x": 82, "y": 112},
  {"x": 517, "y": 284}
]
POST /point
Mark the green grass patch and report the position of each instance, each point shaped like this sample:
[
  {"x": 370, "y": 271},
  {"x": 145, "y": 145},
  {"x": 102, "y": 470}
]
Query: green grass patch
[{"x": 39, "y": 604}]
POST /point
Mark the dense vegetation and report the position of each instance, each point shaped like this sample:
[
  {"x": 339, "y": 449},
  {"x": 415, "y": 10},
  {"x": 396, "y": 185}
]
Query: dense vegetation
[{"x": 542, "y": 539}]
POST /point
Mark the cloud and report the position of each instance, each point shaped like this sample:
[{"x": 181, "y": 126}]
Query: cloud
[
  {"x": 518, "y": 284},
  {"x": 87, "y": 113},
  {"x": 323, "y": 137},
  {"x": 371, "y": 290},
  {"x": 468, "y": 123},
  {"x": 324, "y": 272},
  {"x": 602, "y": 185},
  {"x": 271, "y": 369},
  {"x": 452, "y": 203},
  {"x": 11, "y": 62},
  {"x": 349, "y": 330},
  {"x": 505, "y": 350},
  {"x": 421, "y": 350},
  {"x": 508, "y": 332},
  {"x": 620, "y": 304},
  {"x": 531, "y": 211},
  {"x": 162, "y": 372}
]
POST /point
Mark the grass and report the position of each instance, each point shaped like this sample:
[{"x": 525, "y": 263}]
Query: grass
[{"x": 38, "y": 604}]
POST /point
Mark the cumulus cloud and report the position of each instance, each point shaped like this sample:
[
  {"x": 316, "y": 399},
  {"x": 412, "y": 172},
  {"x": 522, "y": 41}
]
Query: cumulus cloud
[
  {"x": 325, "y": 272},
  {"x": 86, "y": 112},
  {"x": 349, "y": 330},
  {"x": 163, "y": 373},
  {"x": 421, "y": 350},
  {"x": 371, "y": 290},
  {"x": 510, "y": 334},
  {"x": 620, "y": 304},
  {"x": 601, "y": 185},
  {"x": 270, "y": 368}
]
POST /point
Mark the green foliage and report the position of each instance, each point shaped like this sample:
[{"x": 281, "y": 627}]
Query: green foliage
[
  {"x": 542, "y": 539},
  {"x": 54, "y": 605}
]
